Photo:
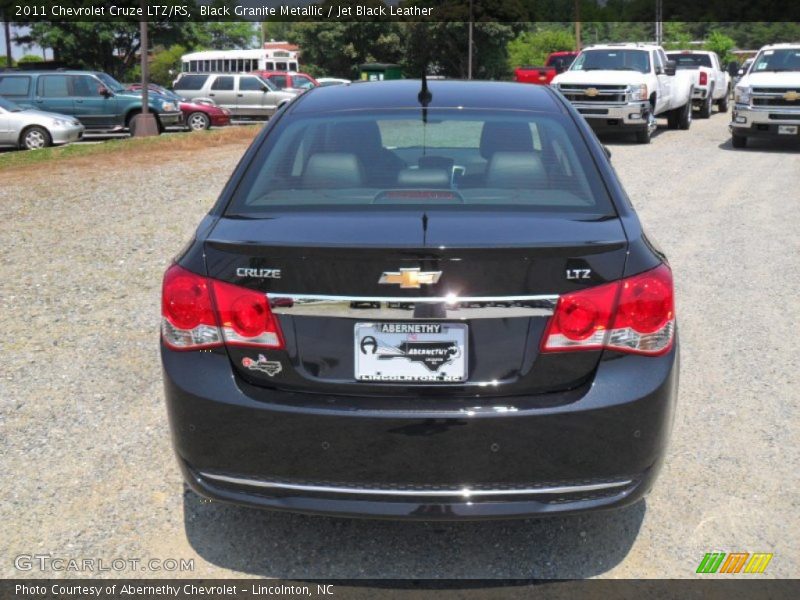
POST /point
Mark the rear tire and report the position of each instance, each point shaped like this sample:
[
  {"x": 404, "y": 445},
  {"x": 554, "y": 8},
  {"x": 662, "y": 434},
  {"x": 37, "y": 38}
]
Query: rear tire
[
  {"x": 738, "y": 141},
  {"x": 130, "y": 122},
  {"x": 673, "y": 118},
  {"x": 723, "y": 102},
  {"x": 35, "y": 138},
  {"x": 705, "y": 108},
  {"x": 685, "y": 115},
  {"x": 198, "y": 121}
]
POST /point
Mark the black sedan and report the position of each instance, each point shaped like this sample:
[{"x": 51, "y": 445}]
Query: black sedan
[{"x": 421, "y": 300}]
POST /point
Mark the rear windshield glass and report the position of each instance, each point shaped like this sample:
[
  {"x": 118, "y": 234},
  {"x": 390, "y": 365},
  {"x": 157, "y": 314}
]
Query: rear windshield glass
[
  {"x": 690, "y": 61},
  {"x": 453, "y": 157}
]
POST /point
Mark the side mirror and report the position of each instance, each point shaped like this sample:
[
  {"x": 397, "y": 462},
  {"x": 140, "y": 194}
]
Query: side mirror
[
  {"x": 103, "y": 91},
  {"x": 670, "y": 68}
]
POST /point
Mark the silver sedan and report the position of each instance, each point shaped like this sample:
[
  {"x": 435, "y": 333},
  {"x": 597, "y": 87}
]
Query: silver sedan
[{"x": 33, "y": 129}]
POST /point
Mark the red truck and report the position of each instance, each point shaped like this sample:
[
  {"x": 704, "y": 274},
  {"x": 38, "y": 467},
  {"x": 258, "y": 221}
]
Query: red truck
[{"x": 557, "y": 62}]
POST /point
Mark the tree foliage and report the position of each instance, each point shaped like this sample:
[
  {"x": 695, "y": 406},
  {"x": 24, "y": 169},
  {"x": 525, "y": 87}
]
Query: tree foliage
[{"x": 532, "y": 47}]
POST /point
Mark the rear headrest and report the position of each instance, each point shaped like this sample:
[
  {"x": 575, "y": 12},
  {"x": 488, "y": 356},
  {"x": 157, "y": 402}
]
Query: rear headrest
[
  {"x": 334, "y": 170},
  {"x": 516, "y": 170},
  {"x": 500, "y": 136},
  {"x": 356, "y": 136},
  {"x": 423, "y": 178}
]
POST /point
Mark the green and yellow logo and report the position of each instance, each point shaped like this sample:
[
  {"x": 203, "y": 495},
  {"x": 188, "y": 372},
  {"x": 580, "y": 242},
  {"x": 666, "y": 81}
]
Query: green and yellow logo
[{"x": 734, "y": 562}]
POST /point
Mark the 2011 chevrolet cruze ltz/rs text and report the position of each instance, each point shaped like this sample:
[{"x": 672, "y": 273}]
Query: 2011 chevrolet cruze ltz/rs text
[{"x": 421, "y": 300}]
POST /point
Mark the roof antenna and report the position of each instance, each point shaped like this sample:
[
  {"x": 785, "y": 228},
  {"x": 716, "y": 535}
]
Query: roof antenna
[{"x": 424, "y": 98}]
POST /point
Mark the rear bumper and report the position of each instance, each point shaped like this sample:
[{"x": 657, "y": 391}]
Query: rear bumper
[{"x": 595, "y": 448}]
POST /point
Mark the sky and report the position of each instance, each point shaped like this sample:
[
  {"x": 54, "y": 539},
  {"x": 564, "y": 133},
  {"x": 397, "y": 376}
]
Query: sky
[{"x": 17, "y": 51}]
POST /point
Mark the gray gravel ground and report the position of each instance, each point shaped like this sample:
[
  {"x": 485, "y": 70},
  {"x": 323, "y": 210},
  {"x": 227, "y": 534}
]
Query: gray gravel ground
[{"x": 86, "y": 466}]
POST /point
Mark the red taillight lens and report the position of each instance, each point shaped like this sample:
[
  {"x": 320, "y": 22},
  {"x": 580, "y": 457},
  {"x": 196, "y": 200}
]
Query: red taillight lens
[
  {"x": 703, "y": 78},
  {"x": 581, "y": 319},
  {"x": 191, "y": 319},
  {"x": 187, "y": 315},
  {"x": 636, "y": 315},
  {"x": 245, "y": 317}
]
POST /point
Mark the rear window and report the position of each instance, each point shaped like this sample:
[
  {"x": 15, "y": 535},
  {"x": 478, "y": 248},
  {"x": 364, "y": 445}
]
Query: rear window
[
  {"x": 14, "y": 85},
  {"x": 191, "y": 82},
  {"x": 690, "y": 61},
  {"x": 458, "y": 157}
]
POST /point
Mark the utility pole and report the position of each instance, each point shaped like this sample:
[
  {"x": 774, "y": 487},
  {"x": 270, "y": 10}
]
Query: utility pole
[
  {"x": 144, "y": 125},
  {"x": 659, "y": 22},
  {"x": 469, "y": 53},
  {"x": 578, "y": 25},
  {"x": 7, "y": 29}
]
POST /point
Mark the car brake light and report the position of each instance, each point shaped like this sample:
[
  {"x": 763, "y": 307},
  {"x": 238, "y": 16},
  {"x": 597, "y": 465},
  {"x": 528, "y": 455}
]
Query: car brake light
[
  {"x": 245, "y": 317},
  {"x": 188, "y": 320},
  {"x": 703, "y": 78},
  {"x": 198, "y": 312},
  {"x": 635, "y": 315}
]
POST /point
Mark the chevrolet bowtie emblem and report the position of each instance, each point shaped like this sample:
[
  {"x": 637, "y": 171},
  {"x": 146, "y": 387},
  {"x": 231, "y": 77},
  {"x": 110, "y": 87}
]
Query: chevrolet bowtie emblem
[
  {"x": 591, "y": 92},
  {"x": 791, "y": 96},
  {"x": 410, "y": 278}
]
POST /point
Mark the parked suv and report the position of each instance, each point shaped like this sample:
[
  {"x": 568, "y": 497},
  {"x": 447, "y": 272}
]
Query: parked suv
[
  {"x": 242, "y": 94},
  {"x": 95, "y": 98}
]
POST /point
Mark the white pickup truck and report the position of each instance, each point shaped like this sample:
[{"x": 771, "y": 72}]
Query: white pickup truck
[
  {"x": 712, "y": 84},
  {"x": 767, "y": 98},
  {"x": 625, "y": 87}
]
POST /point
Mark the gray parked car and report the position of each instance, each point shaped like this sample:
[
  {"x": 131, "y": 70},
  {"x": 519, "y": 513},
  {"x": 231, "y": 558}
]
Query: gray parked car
[
  {"x": 243, "y": 94},
  {"x": 33, "y": 129}
]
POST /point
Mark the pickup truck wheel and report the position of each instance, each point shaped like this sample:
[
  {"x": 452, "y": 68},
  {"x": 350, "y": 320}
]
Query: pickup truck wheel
[
  {"x": 685, "y": 115},
  {"x": 723, "y": 102},
  {"x": 643, "y": 135},
  {"x": 673, "y": 117},
  {"x": 739, "y": 141},
  {"x": 35, "y": 138},
  {"x": 129, "y": 123},
  {"x": 705, "y": 109}
]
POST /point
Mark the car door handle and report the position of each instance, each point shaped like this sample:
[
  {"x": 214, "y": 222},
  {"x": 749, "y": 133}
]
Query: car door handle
[
  {"x": 240, "y": 95},
  {"x": 212, "y": 94}
]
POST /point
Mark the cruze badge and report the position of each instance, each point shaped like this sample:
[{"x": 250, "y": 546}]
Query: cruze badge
[
  {"x": 410, "y": 278},
  {"x": 260, "y": 273},
  {"x": 791, "y": 96}
]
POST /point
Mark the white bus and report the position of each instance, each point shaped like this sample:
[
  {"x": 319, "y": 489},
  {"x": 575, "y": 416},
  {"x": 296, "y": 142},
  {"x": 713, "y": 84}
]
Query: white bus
[{"x": 239, "y": 61}]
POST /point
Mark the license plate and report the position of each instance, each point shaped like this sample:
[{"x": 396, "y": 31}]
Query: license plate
[
  {"x": 411, "y": 352},
  {"x": 787, "y": 129}
]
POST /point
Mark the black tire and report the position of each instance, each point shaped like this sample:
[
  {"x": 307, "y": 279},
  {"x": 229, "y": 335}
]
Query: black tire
[
  {"x": 705, "y": 108},
  {"x": 198, "y": 121},
  {"x": 723, "y": 102},
  {"x": 643, "y": 135},
  {"x": 129, "y": 121},
  {"x": 685, "y": 115},
  {"x": 35, "y": 138},
  {"x": 673, "y": 117},
  {"x": 738, "y": 141}
]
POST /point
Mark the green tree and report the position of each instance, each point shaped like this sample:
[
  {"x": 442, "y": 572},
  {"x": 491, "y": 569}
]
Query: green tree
[
  {"x": 532, "y": 47},
  {"x": 676, "y": 36},
  {"x": 721, "y": 44},
  {"x": 165, "y": 64},
  {"x": 30, "y": 58}
]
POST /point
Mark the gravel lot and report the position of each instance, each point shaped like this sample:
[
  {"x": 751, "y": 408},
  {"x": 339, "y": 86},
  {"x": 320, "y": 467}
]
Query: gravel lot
[{"x": 86, "y": 466}]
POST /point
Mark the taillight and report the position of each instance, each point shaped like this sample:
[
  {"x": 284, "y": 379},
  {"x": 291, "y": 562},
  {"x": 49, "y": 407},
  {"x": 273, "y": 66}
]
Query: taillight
[
  {"x": 245, "y": 317},
  {"x": 188, "y": 320},
  {"x": 703, "y": 78},
  {"x": 198, "y": 312},
  {"x": 636, "y": 315}
]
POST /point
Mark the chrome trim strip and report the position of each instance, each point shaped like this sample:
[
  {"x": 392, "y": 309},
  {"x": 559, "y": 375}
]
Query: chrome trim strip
[
  {"x": 464, "y": 492},
  {"x": 423, "y": 308}
]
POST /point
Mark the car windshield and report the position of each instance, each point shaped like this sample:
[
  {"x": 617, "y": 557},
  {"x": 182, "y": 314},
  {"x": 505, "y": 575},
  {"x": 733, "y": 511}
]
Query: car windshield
[
  {"x": 784, "y": 59},
  {"x": 689, "y": 61},
  {"x": 463, "y": 158},
  {"x": 612, "y": 60},
  {"x": 9, "y": 106},
  {"x": 302, "y": 83},
  {"x": 111, "y": 83}
]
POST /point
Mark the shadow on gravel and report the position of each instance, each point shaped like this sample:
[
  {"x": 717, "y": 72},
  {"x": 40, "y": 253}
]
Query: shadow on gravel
[
  {"x": 765, "y": 145},
  {"x": 292, "y": 546},
  {"x": 620, "y": 138}
]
